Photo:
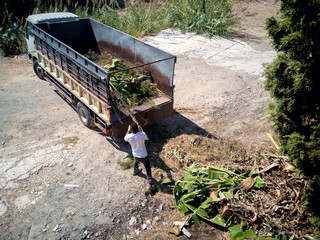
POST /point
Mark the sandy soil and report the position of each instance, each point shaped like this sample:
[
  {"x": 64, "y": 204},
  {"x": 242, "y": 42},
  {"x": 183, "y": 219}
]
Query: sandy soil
[{"x": 60, "y": 180}]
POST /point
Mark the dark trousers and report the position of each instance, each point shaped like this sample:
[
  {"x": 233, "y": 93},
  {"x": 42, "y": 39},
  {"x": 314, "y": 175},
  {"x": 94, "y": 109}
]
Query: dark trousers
[{"x": 146, "y": 162}]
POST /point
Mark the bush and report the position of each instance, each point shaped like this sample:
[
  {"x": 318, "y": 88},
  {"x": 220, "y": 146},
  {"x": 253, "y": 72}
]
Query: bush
[
  {"x": 10, "y": 36},
  {"x": 10, "y": 41},
  {"x": 293, "y": 82}
]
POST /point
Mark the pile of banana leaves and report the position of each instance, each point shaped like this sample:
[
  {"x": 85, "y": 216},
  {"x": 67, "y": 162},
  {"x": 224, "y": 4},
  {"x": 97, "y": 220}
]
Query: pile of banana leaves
[
  {"x": 134, "y": 84},
  {"x": 219, "y": 197},
  {"x": 135, "y": 88}
]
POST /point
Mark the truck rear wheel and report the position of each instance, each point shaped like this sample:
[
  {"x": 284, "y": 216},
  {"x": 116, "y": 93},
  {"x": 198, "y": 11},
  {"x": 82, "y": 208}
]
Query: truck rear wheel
[
  {"x": 84, "y": 115},
  {"x": 38, "y": 70}
]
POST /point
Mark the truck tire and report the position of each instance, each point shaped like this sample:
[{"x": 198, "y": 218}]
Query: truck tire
[
  {"x": 84, "y": 115},
  {"x": 38, "y": 70}
]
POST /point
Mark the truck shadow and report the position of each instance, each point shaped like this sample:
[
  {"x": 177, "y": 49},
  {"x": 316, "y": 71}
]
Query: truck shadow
[{"x": 159, "y": 134}]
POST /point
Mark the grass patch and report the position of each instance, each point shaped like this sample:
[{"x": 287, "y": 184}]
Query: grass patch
[
  {"x": 70, "y": 140},
  {"x": 187, "y": 149},
  {"x": 126, "y": 164}
]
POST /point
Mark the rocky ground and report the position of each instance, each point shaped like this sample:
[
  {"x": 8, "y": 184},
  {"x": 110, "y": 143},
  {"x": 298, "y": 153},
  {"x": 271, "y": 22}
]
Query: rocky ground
[{"x": 60, "y": 180}]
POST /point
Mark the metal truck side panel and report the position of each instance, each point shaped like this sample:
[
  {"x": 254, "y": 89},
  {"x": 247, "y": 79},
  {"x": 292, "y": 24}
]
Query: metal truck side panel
[
  {"x": 133, "y": 50},
  {"x": 145, "y": 118}
]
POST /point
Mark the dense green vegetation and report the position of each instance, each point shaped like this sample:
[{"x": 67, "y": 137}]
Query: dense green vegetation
[
  {"x": 293, "y": 82},
  {"x": 11, "y": 36},
  {"x": 137, "y": 17}
]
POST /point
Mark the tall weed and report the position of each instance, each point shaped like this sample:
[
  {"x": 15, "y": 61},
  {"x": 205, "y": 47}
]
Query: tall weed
[
  {"x": 209, "y": 17},
  {"x": 137, "y": 18}
]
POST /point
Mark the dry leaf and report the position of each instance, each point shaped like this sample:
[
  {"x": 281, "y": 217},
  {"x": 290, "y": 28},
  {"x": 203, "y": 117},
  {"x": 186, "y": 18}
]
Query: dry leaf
[
  {"x": 269, "y": 167},
  {"x": 175, "y": 230},
  {"x": 248, "y": 183},
  {"x": 214, "y": 197},
  {"x": 288, "y": 167}
]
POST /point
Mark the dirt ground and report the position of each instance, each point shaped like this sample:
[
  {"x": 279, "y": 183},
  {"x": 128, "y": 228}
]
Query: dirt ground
[{"x": 61, "y": 180}]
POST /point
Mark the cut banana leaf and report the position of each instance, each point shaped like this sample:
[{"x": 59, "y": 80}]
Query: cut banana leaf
[
  {"x": 196, "y": 220},
  {"x": 218, "y": 220}
]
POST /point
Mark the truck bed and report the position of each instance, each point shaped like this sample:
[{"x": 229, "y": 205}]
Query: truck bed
[
  {"x": 76, "y": 38},
  {"x": 61, "y": 47}
]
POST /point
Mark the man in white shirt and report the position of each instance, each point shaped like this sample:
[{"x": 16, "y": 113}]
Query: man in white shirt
[{"x": 137, "y": 137}]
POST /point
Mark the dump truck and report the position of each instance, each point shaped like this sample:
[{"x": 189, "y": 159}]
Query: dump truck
[{"x": 57, "y": 44}]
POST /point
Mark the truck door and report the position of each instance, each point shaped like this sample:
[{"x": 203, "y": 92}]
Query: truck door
[{"x": 30, "y": 41}]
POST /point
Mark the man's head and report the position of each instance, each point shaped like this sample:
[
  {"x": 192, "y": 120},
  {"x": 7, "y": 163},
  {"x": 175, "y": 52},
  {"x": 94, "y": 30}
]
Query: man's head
[{"x": 134, "y": 127}]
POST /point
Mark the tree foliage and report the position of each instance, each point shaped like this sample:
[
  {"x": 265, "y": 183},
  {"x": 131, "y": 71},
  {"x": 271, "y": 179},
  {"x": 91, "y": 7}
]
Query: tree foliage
[{"x": 293, "y": 82}]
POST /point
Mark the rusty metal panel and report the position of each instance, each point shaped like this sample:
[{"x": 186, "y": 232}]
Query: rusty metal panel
[
  {"x": 133, "y": 50},
  {"x": 145, "y": 118}
]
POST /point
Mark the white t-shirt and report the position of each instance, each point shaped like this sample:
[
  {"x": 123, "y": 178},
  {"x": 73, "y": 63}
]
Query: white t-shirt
[{"x": 137, "y": 143}]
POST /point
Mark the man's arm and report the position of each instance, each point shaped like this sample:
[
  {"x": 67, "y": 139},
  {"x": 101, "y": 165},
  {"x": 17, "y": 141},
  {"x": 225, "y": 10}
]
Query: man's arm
[
  {"x": 129, "y": 129},
  {"x": 126, "y": 137}
]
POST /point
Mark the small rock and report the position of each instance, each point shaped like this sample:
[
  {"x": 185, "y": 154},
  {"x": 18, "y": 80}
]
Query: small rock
[
  {"x": 85, "y": 232},
  {"x": 160, "y": 207},
  {"x": 132, "y": 221},
  {"x": 70, "y": 164},
  {"x": 148, "y": 222},
  {"x": 137, "y": 231},
  {"x": 157, "y": 218},
  {"x": 144, "y": 226},
  {"x": 55, "y": 228},
  {"x": 44, "y": 230}
]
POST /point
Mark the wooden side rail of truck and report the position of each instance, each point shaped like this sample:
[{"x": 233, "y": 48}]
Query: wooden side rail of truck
[{"x": 57, "y": 43}]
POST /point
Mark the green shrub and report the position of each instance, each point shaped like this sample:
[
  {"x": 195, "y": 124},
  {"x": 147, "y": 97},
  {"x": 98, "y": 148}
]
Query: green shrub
[
  {"x": 293, "y": 82},
  {"x": 10, "y": 36}
]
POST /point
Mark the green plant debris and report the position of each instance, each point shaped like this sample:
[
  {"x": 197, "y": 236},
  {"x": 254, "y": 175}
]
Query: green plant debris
[
  {"x": 127, "y": 164},
  {"x": 11, "y": 35},
  {"x": 264, "y": 202},
  {"x": 134, "y": 85},
  {"x": 216, "y": 196}
]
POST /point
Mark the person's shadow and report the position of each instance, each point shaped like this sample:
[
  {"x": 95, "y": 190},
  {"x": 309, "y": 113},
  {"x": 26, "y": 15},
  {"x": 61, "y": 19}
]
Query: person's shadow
[{"x": 158, "y": 134}]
